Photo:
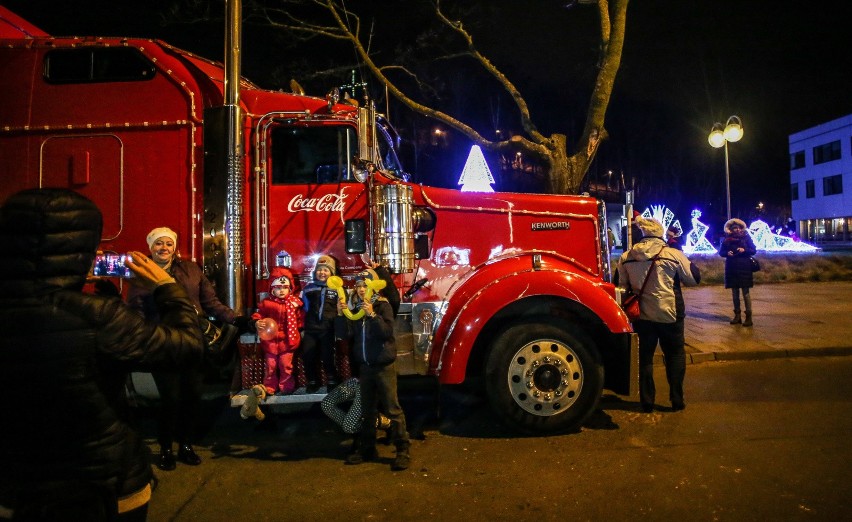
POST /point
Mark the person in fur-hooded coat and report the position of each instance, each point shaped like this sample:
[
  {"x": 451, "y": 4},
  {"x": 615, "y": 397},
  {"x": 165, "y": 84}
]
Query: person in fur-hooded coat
[{"x": 738, "y": 248}]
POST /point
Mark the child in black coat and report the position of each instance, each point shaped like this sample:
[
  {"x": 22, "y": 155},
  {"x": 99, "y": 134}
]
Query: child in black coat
[{"x": 374, "y": 352}]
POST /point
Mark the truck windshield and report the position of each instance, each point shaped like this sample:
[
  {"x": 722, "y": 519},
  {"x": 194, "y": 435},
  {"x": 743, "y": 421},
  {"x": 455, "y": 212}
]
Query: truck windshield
[
  {"x": 389, "y": 142},
  {"x": 308, "y": 155}
]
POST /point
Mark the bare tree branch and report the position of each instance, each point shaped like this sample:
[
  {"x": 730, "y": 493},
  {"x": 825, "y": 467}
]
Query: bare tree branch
[
  {"x": 566, "y": 171},
  {"x": 526, "y": 121}
]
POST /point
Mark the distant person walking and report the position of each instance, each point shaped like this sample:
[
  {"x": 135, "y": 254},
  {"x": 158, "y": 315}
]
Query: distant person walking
[
  {"x": 662, "y": 308},
  {"x": 737, "y": 248}
]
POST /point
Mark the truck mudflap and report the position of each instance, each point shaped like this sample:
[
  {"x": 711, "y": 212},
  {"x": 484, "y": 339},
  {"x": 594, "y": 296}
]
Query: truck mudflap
[
  {"x": 634, "y": 367},
  {"x": 621, "y": 362}
]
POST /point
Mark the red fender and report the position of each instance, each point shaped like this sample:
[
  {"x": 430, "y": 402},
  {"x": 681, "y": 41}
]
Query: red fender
[{"x": 493, "y": 286}]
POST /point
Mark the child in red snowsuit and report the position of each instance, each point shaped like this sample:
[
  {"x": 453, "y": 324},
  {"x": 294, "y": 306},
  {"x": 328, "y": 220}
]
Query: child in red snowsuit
[{"x": 283, "y": 307}]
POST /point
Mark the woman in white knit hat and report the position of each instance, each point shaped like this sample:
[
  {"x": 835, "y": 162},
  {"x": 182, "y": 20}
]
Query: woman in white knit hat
[{"x": 180, "y": 392}]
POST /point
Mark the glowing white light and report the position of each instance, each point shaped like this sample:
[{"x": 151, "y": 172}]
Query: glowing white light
[
  {"x": 665, "y": 216},
  {"x": 452, "y": 256},
  {"x": 765, "y": 239},
  {"x": 476, "y": 176},
  {"x": 696, "y": 241}
]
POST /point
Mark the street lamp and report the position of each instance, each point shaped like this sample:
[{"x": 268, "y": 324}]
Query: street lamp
[{"x": 719, "y": 137}]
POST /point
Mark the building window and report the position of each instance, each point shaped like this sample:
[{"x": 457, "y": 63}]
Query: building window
[
  {"x": 794, "y": 191},
  {"x": 797, "y": 160},
  {"x": 832, "y": 185},
  {"x": 827, "y": 152},
  {"x": 809, "y": 188}
]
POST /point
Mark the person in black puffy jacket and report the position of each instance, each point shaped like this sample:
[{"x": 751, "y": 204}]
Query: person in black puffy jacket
[
  {"x": 737, "y": 248},
  {"x": 75, "y": 456}
]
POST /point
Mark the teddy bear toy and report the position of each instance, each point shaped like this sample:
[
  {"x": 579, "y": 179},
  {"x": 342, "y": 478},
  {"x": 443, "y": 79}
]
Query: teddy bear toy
[{"x": 251, "y": 408}]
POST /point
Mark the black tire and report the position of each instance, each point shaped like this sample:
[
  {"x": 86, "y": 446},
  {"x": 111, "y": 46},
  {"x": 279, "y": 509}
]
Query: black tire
[{"x": 542, "y": 378}]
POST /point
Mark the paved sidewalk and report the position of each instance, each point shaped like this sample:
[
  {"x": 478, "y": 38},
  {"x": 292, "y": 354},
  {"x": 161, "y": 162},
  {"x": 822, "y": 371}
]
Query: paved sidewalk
[{"x": 790, "y": 320}]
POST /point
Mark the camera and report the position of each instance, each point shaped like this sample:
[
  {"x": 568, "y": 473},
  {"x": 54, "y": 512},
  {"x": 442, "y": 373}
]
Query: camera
[{"x": 111, "y": 265}]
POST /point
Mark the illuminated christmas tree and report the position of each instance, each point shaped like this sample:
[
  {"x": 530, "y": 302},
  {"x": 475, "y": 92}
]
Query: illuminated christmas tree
[
  {"x": 476, "y": 176},
  {"x": 696, "y": 242}
]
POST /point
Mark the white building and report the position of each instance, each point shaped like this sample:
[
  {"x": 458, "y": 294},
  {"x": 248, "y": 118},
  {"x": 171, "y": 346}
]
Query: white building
[{"x": 821, "y": 180}]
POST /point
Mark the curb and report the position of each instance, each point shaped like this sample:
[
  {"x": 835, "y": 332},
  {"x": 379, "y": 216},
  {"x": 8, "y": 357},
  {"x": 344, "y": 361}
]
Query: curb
[{"x": 757, "y": 355}]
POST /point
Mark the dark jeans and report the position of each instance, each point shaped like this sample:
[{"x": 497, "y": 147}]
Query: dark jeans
[
  {"x": 378, "y": 386},
  {"x": 670, "y": 338},
  {"x": 180, "y": 401},
  {"x": 316, "y": 346}
]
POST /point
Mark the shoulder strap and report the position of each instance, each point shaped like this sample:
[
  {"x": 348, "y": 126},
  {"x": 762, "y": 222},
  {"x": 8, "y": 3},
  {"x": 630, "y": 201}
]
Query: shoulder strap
[{"x": 648, "y": 275}]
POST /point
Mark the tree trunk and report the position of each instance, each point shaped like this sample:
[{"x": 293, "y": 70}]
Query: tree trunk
[{"x": 565, "y": 173}]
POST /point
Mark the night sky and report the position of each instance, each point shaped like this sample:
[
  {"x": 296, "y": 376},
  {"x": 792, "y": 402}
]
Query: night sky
[{"x": 781, "y": 66}]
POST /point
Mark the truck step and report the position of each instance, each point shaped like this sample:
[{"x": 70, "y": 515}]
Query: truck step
[{"x": 297, "y": 397}]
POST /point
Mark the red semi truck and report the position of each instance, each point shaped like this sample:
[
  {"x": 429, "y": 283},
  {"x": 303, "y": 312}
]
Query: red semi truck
[{"x": 510, "y": 288}]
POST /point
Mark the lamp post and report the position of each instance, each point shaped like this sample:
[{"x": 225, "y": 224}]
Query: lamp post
[{"x": 719, "y": 137}]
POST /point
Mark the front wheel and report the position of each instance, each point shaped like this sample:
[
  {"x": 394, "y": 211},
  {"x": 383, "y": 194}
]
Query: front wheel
[{"x": 542, "y": 378}]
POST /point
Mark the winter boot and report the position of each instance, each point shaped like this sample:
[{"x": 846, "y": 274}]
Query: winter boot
[
  {"x": 364, "y": 454},
  {"x": 187, "y": 455},
  {"x": 737, "y": 318},
  {"x": 402, "y": 459},
  {"x": 166, "y": 462},
  {"x": 747, "y": 321}
]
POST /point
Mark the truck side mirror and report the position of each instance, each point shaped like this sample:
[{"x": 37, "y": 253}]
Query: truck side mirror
[{"x": 356, "y": 240}]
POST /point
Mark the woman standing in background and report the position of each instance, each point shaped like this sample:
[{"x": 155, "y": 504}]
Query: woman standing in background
[{"x": 737, "y": 248}]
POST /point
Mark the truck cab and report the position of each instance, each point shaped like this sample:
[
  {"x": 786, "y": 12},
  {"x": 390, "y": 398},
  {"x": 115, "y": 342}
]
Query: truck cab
[{"x": 511, "y": 288}]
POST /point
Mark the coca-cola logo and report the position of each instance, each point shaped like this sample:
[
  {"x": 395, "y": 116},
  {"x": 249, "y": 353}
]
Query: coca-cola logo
[{"x": 326, "y": 203}]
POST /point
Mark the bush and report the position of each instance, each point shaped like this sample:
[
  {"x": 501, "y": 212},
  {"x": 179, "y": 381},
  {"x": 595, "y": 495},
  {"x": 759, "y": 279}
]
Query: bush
[
  {"x": 783, "y": 267},
  {"x": 780, "y": 267}
]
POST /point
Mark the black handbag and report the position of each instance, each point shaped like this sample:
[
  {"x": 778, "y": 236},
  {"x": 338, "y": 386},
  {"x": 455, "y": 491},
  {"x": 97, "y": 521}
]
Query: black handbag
[
  {"x": 218, "y": 339},
  {"x": 755, "y": 265}
]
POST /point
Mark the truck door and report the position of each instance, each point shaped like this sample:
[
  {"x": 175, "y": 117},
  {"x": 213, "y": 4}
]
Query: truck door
[
  {"x": 313, "y": 195},
  {"x": 91, "y": 165}
]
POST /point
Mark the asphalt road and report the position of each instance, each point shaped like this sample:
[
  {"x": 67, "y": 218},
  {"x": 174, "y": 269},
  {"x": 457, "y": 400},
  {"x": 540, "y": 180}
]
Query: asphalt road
[{"x": 765, "y": 440}]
